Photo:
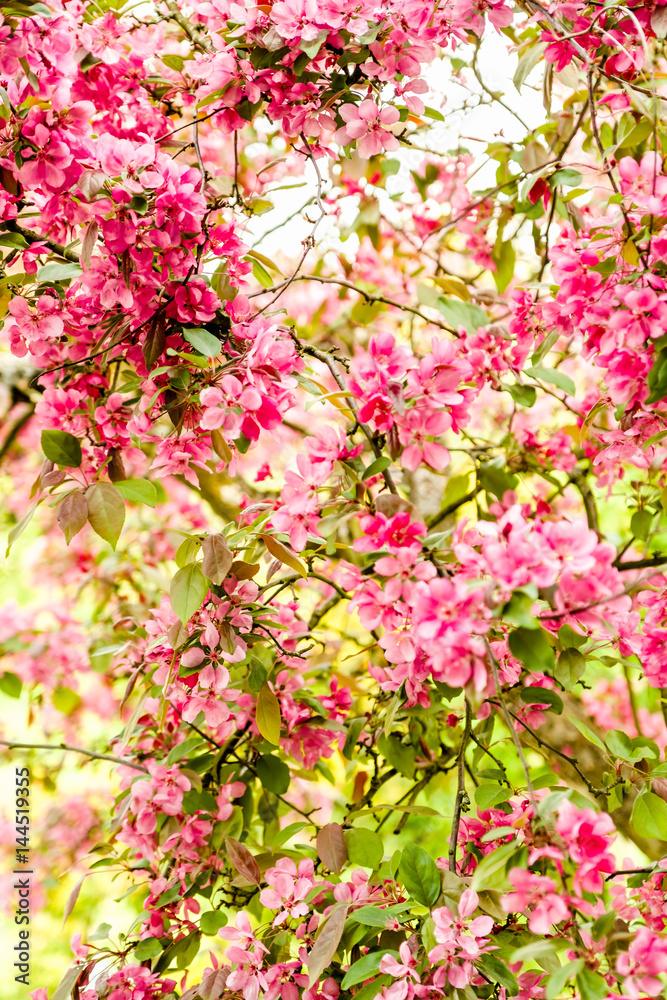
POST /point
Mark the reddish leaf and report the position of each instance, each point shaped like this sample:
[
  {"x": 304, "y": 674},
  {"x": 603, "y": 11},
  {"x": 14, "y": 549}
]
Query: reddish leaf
[
  {"x": 88, "y": 242},
  {"x": 331, "y": 847},
  {"x": 71, "y": 899},
  {"x": 243, "y": 570},
  {"x": 154, "y": 341},
  {"x": 218, "y": 558},
  {"x": 72, "y": 514},
  {"x": 281, "y": 552},
  {"x": 243, "y": 861},
  {"x": 327, "y": 942}
]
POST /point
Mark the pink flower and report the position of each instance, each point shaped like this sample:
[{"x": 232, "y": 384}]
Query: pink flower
[
  {"x": 539, "y": 894},
  {"x": 368, "y": 124},
  {"x": 289, "y": 887}
]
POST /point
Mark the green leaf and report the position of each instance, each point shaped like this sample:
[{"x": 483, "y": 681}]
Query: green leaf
[
  {"x": 570, "y": 668},
  {"x": 619, "y": 744},
  {"x": 640, "y": 524},
  {"x": 364, "y": 847},
  {"x": 657, "y": 378},
  {"x": 632, "y": 750},
  {"x": 491, "y": 864},
  {"x": 59, "y": 272},
  {"x": 188, "y": 589},
  {"x": 148, "y": 948},
  {"x": 504, "y": 257},
  {"x": 268, "y": 715},
  {"x": 519, "y": 609},
  {"x": 588, "y": 733},
  {"x": 494, "y": 477},
  {"x": 544, "y": 348},
  {"x": 261, "y": 274},
  {"x": 173, "y": 62},
  {"x": 10, "y": 684},
  {"x": 553, "y": 377},
  {"x": 531, "y": 646},
  {"x": 379, "y": 465},
  {"x": 489, "y": 794},
  {"x": 542, "y": 696},
  {"x": 557, "y": 981},
  {"x": 465, "y": 314},
  {"x": 375, "y": 916},
  {"x": 591, "y": 985},
  {"x": 420, "y": 875},
  {"x": 65, "y": 700},
  {"x": 212, "y": 921},
  {"x": 14, "y": 240},
  {"x": 649, "y": 816},
  {"x": 204, "y": 343},
  {"x": 523, "y": 395},
  {"x": 67, "y": 983},
  {"x": 183, "y": 749},
  {"x": 497, "y": 972},
  {"x": 354, "y": 728},
  {"x": 273, "y": 773},
  {"x": 62, "y": 448},
  {"x": 137, "y": 491},
  {"x": 397, "y": 754},
  {"x": 106, "y": 511},
  {"x": 21, "y": 525},
  {"x": 365, "y": 967},
  {"x": 567, "y": 177},
  {"x": 257, "y": 674}
]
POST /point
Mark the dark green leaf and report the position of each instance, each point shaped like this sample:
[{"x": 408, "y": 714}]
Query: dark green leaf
[
  {"x": 542, "y": 696},
  {"x": 365, "y": 967},
  {"x": 531, "y": 646},
  {"x": 570, "y": 668},
  {"x": 62, "y": 448},
  {"x": 497, "y": 972},
  {"x": 420, "y": 875},
  {"x": 273, "y": 773}
]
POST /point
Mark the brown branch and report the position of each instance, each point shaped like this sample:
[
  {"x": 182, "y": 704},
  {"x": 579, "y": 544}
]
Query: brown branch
[
  {"x": 11, "y": 745},
  {"x": 460, "y": 790}
]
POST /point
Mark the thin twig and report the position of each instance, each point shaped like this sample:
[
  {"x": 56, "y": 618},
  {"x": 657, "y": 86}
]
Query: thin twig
[
  {"x": 461, "y": 788},
  {"x": 508, "y": 723},
  {"x": 63, "y": 746}
]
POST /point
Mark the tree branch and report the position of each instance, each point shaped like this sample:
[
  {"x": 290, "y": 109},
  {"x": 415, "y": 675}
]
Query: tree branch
[{"x": 11, "y": 745}]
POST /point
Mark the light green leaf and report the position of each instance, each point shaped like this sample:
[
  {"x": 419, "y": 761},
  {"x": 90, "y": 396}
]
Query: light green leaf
[
  {"x": 364, "y": 847},
  {"x": 106, "y": 511},
  {"x": 553, "y": 377},
  {"x": 204, "y": 343},
  {"x": 268, "y": 715},
  {"x": 137, "y": 491},
  {"x": 649, "y": 816},
  {"x": 59, "y": 272},
  {"x": 188, "y": 589}
]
